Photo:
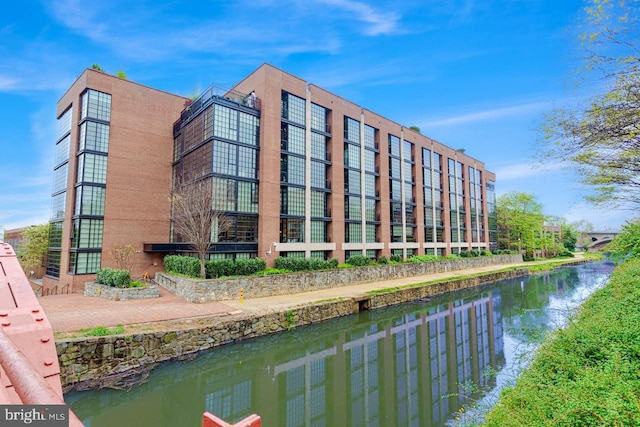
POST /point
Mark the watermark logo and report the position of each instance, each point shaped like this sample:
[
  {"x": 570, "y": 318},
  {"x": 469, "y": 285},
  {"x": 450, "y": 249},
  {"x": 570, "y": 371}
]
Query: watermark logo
[{"x": 34, "y": 415}]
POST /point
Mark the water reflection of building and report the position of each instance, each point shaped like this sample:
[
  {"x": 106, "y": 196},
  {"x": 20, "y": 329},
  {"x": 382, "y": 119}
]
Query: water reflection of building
[
  {"x": 407, "y": 370},
  {"x": 398, "y": 366}
]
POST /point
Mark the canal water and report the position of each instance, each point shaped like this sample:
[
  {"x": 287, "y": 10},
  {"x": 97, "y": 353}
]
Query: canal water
[{"x": 427, "y": 363}]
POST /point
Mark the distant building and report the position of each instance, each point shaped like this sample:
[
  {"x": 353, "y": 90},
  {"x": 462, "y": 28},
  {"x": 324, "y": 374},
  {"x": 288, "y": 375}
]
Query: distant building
[
  {"x": 14, "y": 237},
  {"x": 300, "y": 172}
]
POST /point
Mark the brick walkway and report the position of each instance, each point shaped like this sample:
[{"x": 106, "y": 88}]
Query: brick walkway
[{"x": 72, "y": 312}]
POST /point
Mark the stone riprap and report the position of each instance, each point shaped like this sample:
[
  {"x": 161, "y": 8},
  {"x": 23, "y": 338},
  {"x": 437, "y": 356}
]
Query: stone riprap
[
  {"x": 93, "y": 289},
  {"x": 199, "y": 291}
]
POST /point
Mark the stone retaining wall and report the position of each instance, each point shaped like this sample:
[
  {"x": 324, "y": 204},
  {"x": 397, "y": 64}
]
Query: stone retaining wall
[
  {"x": 198, "y": 290},
  {"x": 93, "y": 289},
  {"x": 94, "y": 362}
]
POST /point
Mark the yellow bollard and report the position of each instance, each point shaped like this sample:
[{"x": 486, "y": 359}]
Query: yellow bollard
[{"x": 241, "y": 295}]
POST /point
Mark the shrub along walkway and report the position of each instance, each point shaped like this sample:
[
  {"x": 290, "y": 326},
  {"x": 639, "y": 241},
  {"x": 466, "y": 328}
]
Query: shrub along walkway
[{"x": 73, "y": 312}]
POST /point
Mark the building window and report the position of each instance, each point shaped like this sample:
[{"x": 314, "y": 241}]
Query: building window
[
  {"x": 353, "y": 233},
  {"x": 225, "y": 123},
  {"x": 318, "y": 231},
  {"x": 394, "y": 146},
  {"x": 64, "y": 123},
  {"x": 87, "y": 233},
  {"x": 352, "y": 181},
  {"x": 53, "y": 261},
  {"x": 62, "y": 150},
  {"x": 370, "y": 229},
  {"x": 318, "y": 174},
  {"x": 292, "y": 169},
  {"x": 292, "y": 201},
  {"x": 90, "y": 200},
  {"x": 92, "y": 168},
  {"x": 55, "y": 235},
  {"x": 94, "y": 137},
  {"x": 319, "y": 118},
  {"x": 57, "y": 206},
  {"x": 60, "y": 178},
  {"x": 96, "y": 105},
  {"x": 352, "y": 156},
  {"x": 352, "y": 208},
  {"x": 249, "y": 128},
  {"x": 319, "y": 204},
  {"x": 84, "y": 262},
  {"x": 318, "y": 146},
  {"x": 293, "y": 108},
  {"x": 291, "y": 230},
  {"x": 370, "y": 137},
  {"x": 351, "y": 130},
  {"x": 293, "y": 139}
]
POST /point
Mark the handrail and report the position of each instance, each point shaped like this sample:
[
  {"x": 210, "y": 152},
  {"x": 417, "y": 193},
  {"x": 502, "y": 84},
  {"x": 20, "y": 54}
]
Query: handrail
[{"x": 29, "y": 385}]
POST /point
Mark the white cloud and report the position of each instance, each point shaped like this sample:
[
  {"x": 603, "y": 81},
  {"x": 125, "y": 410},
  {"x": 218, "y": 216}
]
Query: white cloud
[
  {"x": 601, "y": 218},
  {"x": 379, "y": 22},
  {"x": 490, "y": 114},
  {"x": 527, "y": 170}
]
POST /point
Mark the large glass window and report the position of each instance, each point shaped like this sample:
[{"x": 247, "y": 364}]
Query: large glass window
[
  {"x": 352, "y": 130},
  {"x": 352, "y": 181},
  {"x": 318, "y": 118},
  {"x": 318, "y": 146},
  {"x": 318, "y": 204},
  {"x": 370, "y": 185},
  {"x": 294, "y": 139},
  {"x": 292, "y": 169},
  {"x": 318, "y": 174},
  {"x": 96, "y": 105},
  {"x": 94, "y": 136},
  {"x": 353, "y": 232},
  {"x": 60, "y": 178},
  {"x": 318, "y": 231},
  {"x": 64, "y": 122},
  {"x": 369, "y": 136},
  {"x": 92, "y": 168},
  {"x": 57, "y": 206},
  {"x": 62, "y": 150},
  {"x": 394, "y": 146},
  {"x": 87, "y": 233},
  {"x": 84, "y": 262},
  {"x": 291, "y": 230},
  {"x": 292, "y": 201},
  {"x": 90, "y": 200},
  {"x": 225, "y": 123},
  {"x": 249, "y": 128},
  {"x": 293, "y": 108},
  {"x": 352, "y": 156},
  {"x": 352, "y": 207}
]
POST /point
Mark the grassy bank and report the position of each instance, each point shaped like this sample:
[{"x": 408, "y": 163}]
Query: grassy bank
[{"x": 587, "y": 374}]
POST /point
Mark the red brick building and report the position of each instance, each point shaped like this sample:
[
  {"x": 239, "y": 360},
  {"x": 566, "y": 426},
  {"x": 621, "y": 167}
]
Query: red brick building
[{"x": 304, "y": 173}]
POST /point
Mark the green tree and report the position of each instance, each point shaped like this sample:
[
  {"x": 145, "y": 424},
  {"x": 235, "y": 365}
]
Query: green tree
[
  {"x": 33, "y": 252},
  {"x": 97, "y": 67},
  {"x": 121, "y": 75},
  {"x": 520, "y": 222},
  {"x": 627, "y": 243},
  {"x": 601, "y": 139}
]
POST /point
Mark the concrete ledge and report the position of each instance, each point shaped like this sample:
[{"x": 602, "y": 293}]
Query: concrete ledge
[
  {"x": 199, "y": 291},
  {"x": 93, "y": 289}
]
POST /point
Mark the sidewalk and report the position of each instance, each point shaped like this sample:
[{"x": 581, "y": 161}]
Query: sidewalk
[{"x": 72, "y": 312}]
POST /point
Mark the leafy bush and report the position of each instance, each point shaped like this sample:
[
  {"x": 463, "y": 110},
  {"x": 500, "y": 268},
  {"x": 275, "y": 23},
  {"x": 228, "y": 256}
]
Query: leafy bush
[
  {"x": 383, "y": 260},
  {"x": 219, "y": 268},
  {"x": 249, "y": 266},
  {"x": 451, "y": 256},
  {"x": 485, "y": 253},
  {"x": 181, "y": 264},
  {"x": 358, "y": 260},
  {"x": 305, "y": 264},
  {"x": 113, "y": 277},
  {"x": 270, "y": 271},
  {"x": 423, "y": 258},
  {"x": 396, "y": 258}
]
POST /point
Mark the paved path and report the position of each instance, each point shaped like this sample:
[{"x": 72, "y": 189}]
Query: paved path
[{"x": 68, "y": 313}]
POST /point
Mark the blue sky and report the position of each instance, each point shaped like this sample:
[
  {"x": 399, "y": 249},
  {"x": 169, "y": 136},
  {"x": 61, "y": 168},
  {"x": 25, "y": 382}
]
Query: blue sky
[{"x": 472, "y": 74}]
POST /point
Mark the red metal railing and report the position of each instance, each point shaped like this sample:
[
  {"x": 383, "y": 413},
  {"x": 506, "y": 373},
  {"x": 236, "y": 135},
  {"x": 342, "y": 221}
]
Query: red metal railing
[
  {"x": 29, "y": 370},
  {"x": 210, "y": 420}
]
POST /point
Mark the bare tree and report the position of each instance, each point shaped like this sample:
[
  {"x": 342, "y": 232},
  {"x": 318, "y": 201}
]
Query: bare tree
[
  {"x": 124, "y": 256},
  {"x": 196, "y": 216}
]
